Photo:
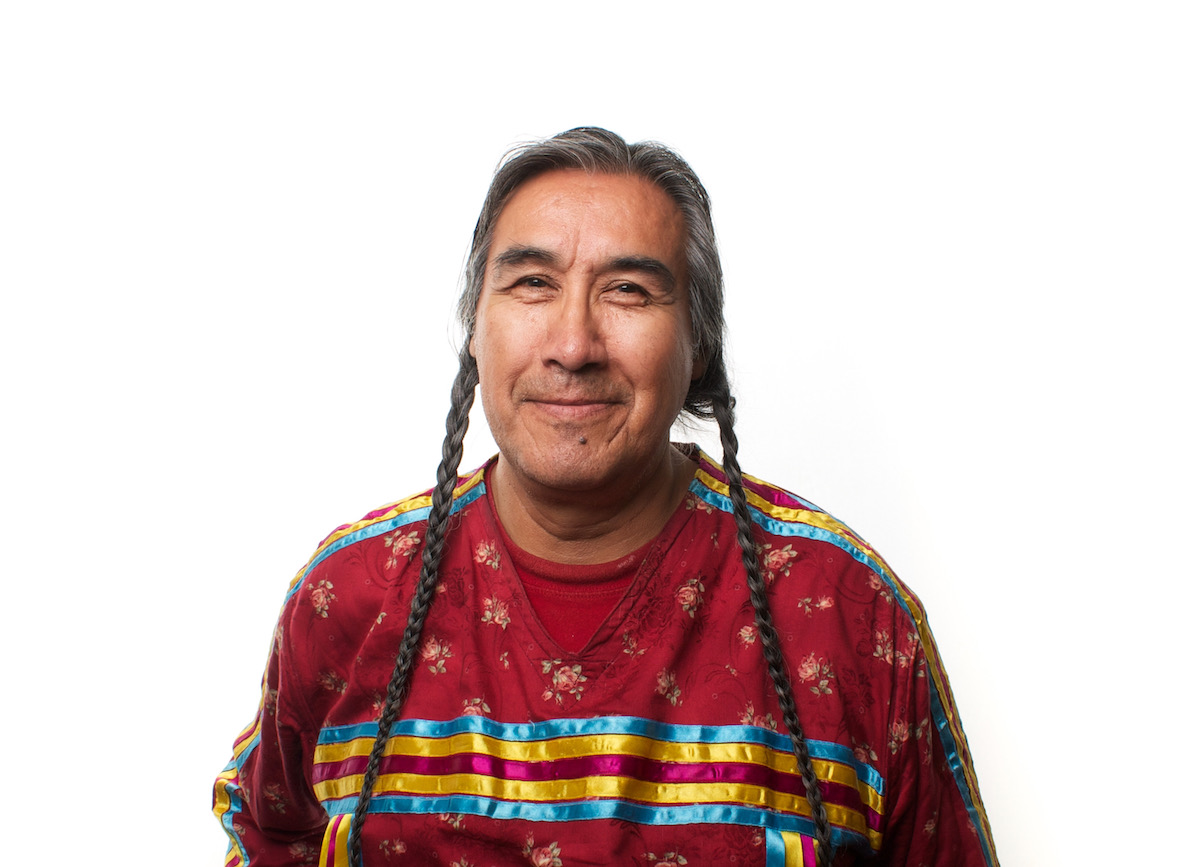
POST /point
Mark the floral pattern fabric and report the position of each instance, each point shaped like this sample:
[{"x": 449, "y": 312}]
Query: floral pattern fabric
[{"x": 680, "y": 649}]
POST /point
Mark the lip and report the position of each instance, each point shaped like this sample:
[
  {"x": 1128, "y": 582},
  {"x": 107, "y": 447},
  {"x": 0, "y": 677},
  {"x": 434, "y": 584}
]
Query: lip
[{"x": 570, "y": 409}]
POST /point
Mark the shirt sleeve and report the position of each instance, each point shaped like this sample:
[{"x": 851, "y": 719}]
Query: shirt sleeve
[
  {"x": 935, "y": 814},
  {"x": 264, "y": 798}
]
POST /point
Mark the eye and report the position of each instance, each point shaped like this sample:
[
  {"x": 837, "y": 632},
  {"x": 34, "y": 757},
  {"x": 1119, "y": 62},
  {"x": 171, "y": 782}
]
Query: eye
[
  {"x": 630, "y": 294},
  {"x": 631, "y": 290},
  {"x": 531, "y": 287}
]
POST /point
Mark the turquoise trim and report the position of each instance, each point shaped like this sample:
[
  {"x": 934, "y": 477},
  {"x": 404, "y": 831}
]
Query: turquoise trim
[
  {"x": 372, "y": 530},
  {"x": 776, "y": 851},
  {"x": 936, "y": 709},
  {"x": 786, "y": 528},
  {"x": 231, "y": 788},
  {"x": 576, "y": 811},
  {"x": 955, "y": 762}
]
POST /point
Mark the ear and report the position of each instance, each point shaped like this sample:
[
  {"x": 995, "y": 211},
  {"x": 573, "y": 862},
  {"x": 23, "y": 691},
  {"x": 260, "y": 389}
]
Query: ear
[
  {"x": 699, "y": 367},
  {"x": 471, "y": 345}
]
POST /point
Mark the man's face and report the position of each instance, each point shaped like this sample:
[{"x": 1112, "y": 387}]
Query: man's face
[{"x": 583, "y": 337}]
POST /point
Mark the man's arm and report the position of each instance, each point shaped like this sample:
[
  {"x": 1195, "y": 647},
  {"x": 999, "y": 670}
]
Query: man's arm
[
  {"x": 935, "y": 813},
  {"x": 263, "y": 798}
]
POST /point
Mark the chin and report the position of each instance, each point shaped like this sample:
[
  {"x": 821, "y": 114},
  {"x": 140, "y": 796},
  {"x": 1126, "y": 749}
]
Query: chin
[{"x": 570, "y": 466}]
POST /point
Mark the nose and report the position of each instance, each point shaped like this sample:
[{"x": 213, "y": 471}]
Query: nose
[{"x": 574, "y": 338}]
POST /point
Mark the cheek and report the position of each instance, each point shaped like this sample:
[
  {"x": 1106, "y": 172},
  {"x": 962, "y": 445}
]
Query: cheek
[
  {"x": 499, "y": 360},
  {"x": 665, "y": 367},
  {"x": 682, "y": 361},
  {"x": 483, "y": 348}
]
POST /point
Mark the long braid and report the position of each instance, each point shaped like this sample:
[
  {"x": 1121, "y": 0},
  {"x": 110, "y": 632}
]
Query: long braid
[
  {"x": 723, "y": 404},
  {"x": 462, "y": 396}
]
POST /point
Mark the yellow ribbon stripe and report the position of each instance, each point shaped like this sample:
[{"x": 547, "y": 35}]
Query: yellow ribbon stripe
[
  {"x": 788, "y": 515},
  {"x": 593, "y": 788},
  {"x": 335, "y": 843},
  {"x": 411, "y": 504},
  {"x": 793, "y": 849},
  {"x": 600, "y": 745}
]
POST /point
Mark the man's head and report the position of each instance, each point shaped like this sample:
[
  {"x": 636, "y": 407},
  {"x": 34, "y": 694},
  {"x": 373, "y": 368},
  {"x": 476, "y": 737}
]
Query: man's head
[
  {"x": 582, "y": 334},
  {"x": 600, "y": 152}
]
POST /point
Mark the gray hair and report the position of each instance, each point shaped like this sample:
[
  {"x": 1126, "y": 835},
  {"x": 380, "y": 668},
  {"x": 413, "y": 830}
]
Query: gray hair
[{"x": 597, "y": 150}]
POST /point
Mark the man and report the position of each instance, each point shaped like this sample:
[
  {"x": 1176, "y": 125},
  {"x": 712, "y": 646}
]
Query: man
[{"x": 588, "y": 666}]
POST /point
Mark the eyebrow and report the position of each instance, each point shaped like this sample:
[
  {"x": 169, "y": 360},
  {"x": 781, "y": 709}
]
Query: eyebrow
[
  {"x": 523, "y": 255},
  {"x": 644, "y": 264}
]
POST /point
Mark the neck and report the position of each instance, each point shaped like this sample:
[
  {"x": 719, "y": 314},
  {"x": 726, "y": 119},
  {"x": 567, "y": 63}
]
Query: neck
[{"x": 586, "y": 527}]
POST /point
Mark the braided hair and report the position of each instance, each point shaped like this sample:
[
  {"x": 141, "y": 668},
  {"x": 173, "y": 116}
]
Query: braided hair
[{"x": 709, "y": 397}]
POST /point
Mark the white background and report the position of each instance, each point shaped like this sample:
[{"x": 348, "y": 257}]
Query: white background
[{"x": 960, "y": 245}]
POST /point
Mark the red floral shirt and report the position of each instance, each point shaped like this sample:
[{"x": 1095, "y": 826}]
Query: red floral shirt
[{"x": 658, "y": 742}]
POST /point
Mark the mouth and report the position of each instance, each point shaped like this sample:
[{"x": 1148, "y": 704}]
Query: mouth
[{"x": 571, "y": 409}]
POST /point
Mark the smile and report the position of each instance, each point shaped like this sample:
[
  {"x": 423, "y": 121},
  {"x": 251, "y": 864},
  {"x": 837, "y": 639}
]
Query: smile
[{"x": 571, "y": 410}]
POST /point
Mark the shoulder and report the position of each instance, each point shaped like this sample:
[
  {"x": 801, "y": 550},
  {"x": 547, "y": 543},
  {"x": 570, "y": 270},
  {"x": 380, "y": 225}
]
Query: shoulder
[
  {"x": 374, "y": 551},
  {"x": 793, "y": 534},
  {"x": 865, "y": 666},
  {"x": 346, "y": 607}
]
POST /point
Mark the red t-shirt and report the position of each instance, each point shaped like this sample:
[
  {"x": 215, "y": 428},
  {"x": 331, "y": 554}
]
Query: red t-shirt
[{"x": 571, "y": 601}]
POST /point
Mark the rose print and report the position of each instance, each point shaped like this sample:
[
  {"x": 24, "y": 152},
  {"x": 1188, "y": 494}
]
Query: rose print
[
  {"x": 750, "y": 718},
  {"x": 689, "y": 595},
  {"x": 566, "y": 680},
  {"x": 475, "y": 707},
  {"x": 809, "y": 606},
  {"x": 876, "y": 584},
  {"x": 907, "y": 650},
  {"x": 883, "y": 645},
  {"x": 776, "y": 561},
  {"x": 863, "y": 751},
  {"x": 629, "y": 645},
  {"x": 812, "y": 668},
  {"x": 543, "y": 856},
  {"x": 667, "y": 860},
  {"x": 546, "y": 856},
  {"x": 276, "y": 798},
  {"x": 898, "y": 735},
  {"x": 667, "y": 687},
  {"x": 808, "y": 668},
  {"x": 320, "y": 593},
  {"x": 392, "y": 847},
  {"x": 434, "y": 654},
  {"x": 303, "y": 853},
  {"x": 332, "y": 682},
  {"x": 400, "y": 544},
  {"x": 488, "y": 554},
  {"x": 495, "y": 612}
]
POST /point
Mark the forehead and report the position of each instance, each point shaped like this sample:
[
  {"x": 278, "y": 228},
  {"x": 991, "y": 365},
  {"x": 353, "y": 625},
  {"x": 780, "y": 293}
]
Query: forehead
[{"x": 580, "y": 213}]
